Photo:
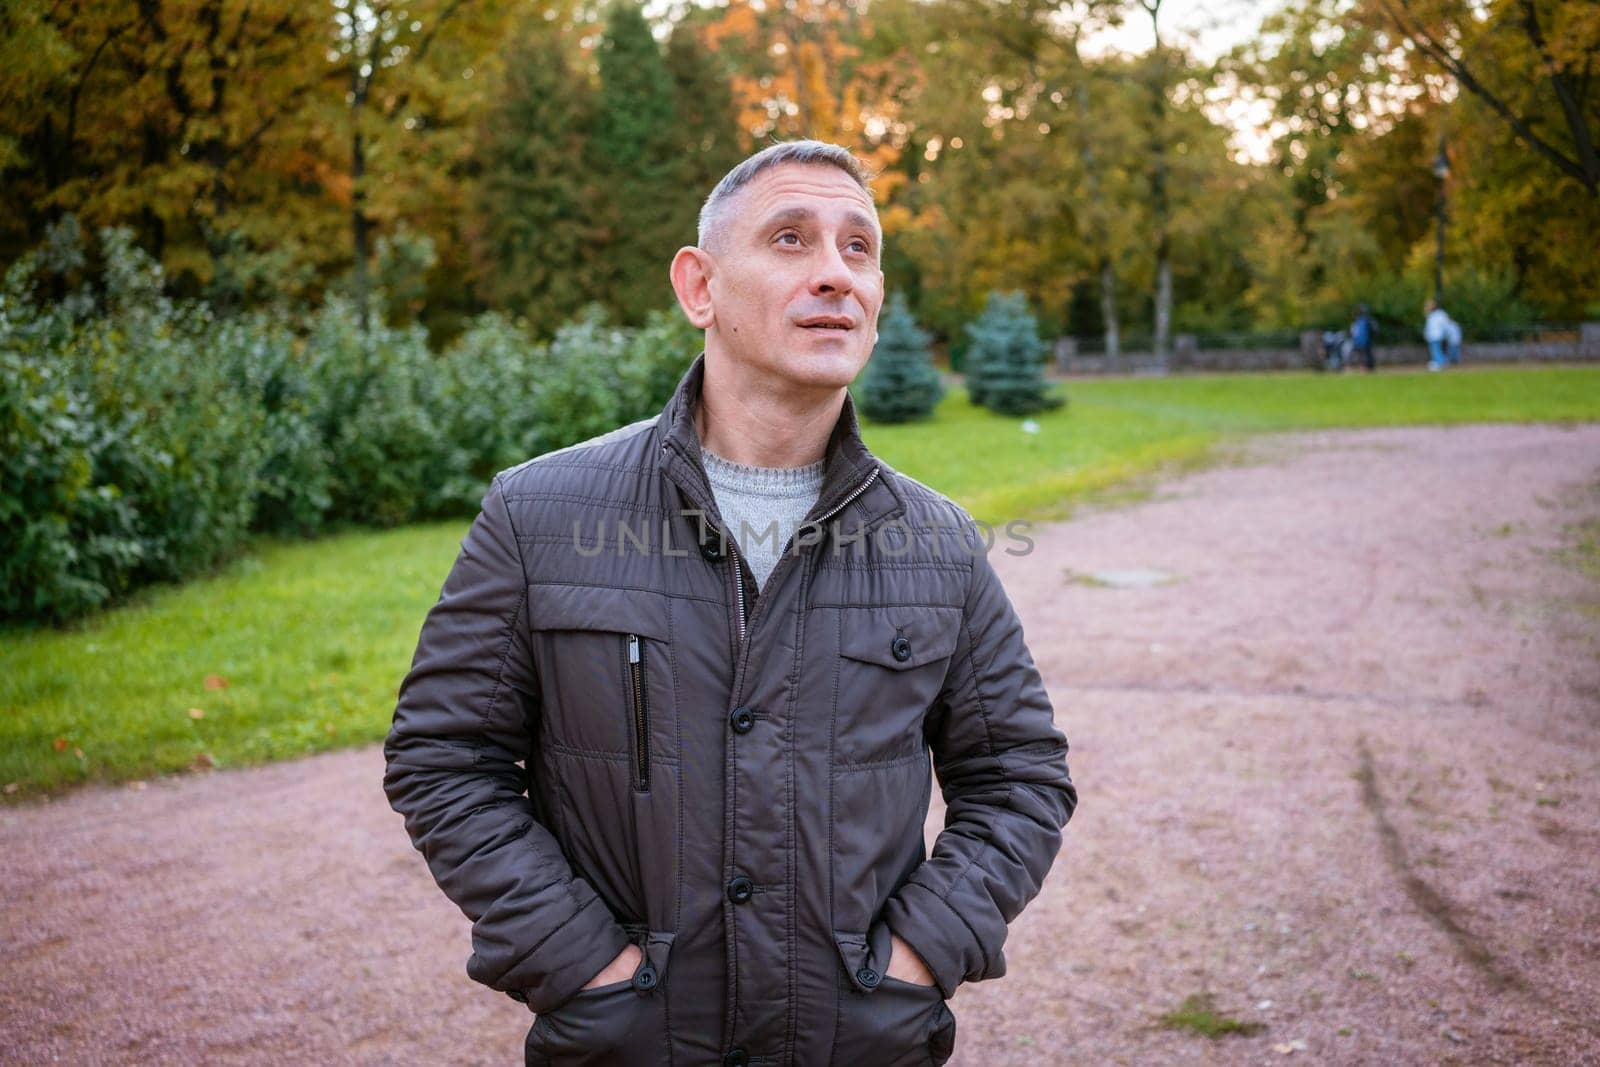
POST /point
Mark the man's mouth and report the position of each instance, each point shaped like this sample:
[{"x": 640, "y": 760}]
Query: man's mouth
[{"x": 827, "y": 322}]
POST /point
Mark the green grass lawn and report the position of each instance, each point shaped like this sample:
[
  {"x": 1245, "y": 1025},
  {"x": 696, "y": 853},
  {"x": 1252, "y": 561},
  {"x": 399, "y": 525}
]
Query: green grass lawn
[
  {"x": 1114, "y": 429},
  {"x": 312, "y": 638}
]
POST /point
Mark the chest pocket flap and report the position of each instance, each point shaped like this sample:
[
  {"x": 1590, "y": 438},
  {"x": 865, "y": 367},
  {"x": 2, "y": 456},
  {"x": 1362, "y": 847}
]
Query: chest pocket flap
[
  {"x": 899, "y": 638},
  {"x": 592, "y": 607}
]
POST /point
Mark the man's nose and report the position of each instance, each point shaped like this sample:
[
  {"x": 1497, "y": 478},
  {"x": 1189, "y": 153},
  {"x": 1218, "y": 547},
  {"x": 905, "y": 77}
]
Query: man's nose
[{"x": 830, "y": 273}]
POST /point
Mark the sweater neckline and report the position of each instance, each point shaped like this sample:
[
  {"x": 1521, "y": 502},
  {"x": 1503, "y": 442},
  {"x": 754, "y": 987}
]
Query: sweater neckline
[{"x": 777, "y": 481}]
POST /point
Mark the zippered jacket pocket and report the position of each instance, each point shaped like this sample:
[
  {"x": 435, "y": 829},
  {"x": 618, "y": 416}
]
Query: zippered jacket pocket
[
  {"x": 592, "y": 699},
  {"x": 637, "y": 686}
]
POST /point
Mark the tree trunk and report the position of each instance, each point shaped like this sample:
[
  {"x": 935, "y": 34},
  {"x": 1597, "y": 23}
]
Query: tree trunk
[
  {"x": 1160, "y": 208},
  {"x": 1108, "y": 309},
  {"x": 1163, "y": 344},
  {"x": 360, "y": 226}
]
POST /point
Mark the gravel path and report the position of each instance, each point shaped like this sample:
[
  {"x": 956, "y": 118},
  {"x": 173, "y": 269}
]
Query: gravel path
[{"x": 1338, "y": 767}]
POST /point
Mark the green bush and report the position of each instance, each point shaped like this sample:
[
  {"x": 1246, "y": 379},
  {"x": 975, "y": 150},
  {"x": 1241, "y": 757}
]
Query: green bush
[
  {"x": 146, "y": 439},
  {"x": 130, "y": 456},
  {"x": 486, "y": 385},
  {"x": 655, "y": 359},
  {"x": 69, "y": 543},
  {"x": 269, "y": 364},
  {"x": 377, "y": 394},
  {"x": 595, "y": 377},
  {"x": 186, "y": 439}
]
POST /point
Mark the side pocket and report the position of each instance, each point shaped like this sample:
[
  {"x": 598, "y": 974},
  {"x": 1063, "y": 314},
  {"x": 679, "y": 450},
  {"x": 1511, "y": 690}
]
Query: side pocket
[
  {"x": 637, "y": 685},
  {"x": 621, "y": 1023},
  {"x": 882, "y": 1020}
]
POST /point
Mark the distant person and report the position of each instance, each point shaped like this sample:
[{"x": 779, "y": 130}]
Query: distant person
[
  {"x": 1334, "y": 346},
  {"x": 1362, "y": 332},
  {"x": 1436, "y": 331},
  {"x": 1452, "y": 342}
]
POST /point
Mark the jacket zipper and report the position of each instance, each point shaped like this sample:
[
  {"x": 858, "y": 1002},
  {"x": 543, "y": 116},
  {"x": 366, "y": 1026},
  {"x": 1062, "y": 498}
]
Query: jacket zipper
[
  {"x": 738, "y": 586},
  {"x": 831, "y": 512},
  {"x": 857, "y": 491},
  {"x": 639, "y": 695}
]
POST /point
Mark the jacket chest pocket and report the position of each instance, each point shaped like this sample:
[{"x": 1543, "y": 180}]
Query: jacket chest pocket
[
  {"x": 603, "y": 661},
  {"x": 892, "y": 666}
]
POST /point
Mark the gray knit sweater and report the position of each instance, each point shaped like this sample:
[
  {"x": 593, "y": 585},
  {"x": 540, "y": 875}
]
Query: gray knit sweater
[{"x": 762, "y": 506}]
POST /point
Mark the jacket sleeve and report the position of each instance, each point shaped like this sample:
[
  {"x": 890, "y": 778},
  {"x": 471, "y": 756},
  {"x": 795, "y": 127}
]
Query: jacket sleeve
[
  {"x": 462, "y": 723},
  {"x": 1001, "y": 765}
]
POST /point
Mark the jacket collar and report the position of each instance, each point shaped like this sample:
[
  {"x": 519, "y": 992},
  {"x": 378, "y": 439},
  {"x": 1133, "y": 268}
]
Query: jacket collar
[{"x": 848, "y": 463}]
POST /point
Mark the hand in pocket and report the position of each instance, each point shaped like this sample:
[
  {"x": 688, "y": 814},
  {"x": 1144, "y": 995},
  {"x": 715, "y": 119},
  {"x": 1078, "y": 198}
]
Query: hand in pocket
[{"x": 618, "y": 970}]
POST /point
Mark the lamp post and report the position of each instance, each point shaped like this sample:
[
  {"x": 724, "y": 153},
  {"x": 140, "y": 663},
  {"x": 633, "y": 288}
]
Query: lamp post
[{"x": 1441, "y": 170}]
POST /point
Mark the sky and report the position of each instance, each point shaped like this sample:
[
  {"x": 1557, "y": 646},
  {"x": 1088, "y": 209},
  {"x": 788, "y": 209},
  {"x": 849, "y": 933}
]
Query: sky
[{"x": 1212, "y": 27}]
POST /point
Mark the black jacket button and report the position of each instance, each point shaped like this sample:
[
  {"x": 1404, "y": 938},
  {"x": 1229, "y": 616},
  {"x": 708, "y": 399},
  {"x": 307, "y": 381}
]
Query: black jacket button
[
  {"x": 736, "y": 1058},
  {"x": 711, "y": 549},
  {"x": 645, "y": 980},
  {"x": 742, "y": 719},
  {"x": 901, "y": 648},
  {"x": 740, "y": 889},
  {"x": 867, "y": 977}
]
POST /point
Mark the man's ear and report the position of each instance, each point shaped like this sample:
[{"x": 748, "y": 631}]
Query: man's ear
[{"x": 691, "y": 281}]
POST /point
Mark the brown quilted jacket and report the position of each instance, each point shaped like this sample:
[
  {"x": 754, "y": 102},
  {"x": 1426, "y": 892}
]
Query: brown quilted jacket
[{"x": 608, "y": 735}]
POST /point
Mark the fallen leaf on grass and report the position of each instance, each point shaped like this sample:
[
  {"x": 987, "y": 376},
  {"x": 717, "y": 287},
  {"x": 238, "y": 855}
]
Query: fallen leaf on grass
[
  {"x": 59, "y": 744},
  {"x": 12, "y": 787},
  {"x": 202, "y": 761},
  {"x": 216, "y": 681},
  {"x": 1289, "y": 1048},
  {"x": 197, "y": 713}
]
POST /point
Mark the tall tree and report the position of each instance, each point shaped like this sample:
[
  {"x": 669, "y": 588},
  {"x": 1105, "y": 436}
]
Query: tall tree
[
  {"x": 382, "y": 51},
  {"x": 792, "y": 65},
  {"x": 1334, "y": 90},
  {"x": 532, "y": 200},
  {"x": 1531, "y": 62},
  {"x": 805, "y": 68},
  {"x": 1160, "y": 196},
  {"x": 708, "y": 139},
  {"x": 1022, "y": 151},
  {"x": 1329, "y": 84},
  {"x": 170, "y": 117},
  {"x": 633, "y": 155}
]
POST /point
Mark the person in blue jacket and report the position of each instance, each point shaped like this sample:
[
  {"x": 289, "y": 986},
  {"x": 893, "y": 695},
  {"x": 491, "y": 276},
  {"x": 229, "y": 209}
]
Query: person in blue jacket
[{"x": 1362, "y": 333}]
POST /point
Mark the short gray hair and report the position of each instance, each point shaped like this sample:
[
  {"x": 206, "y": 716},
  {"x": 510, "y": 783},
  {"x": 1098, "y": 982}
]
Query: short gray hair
[{"x": 805, "y": 152}]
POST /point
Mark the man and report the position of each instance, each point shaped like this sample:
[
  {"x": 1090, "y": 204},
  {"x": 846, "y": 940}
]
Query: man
[
  {"x": 1436, "y": 331},
  {"x": 719, "y": 857},
  {"x": 1452, "y": 342},
  {"x": 1361, "y": 337}
]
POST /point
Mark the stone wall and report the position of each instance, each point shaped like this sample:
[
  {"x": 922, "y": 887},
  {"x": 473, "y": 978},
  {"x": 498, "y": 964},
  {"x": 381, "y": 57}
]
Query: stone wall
[{"x": 1579, "y": 345}]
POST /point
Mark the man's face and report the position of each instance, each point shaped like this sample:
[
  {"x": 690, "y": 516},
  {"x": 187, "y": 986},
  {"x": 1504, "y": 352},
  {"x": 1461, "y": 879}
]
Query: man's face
[{"x": 796, "y": 288}]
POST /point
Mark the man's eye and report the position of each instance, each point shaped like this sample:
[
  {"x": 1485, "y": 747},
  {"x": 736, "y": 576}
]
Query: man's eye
[
  {"x": 786, "y": 236},
  {"x": 860, "y": 246}
]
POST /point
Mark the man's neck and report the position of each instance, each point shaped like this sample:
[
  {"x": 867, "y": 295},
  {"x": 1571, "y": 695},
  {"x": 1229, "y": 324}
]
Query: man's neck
[{"x": 749, "y": 419}]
